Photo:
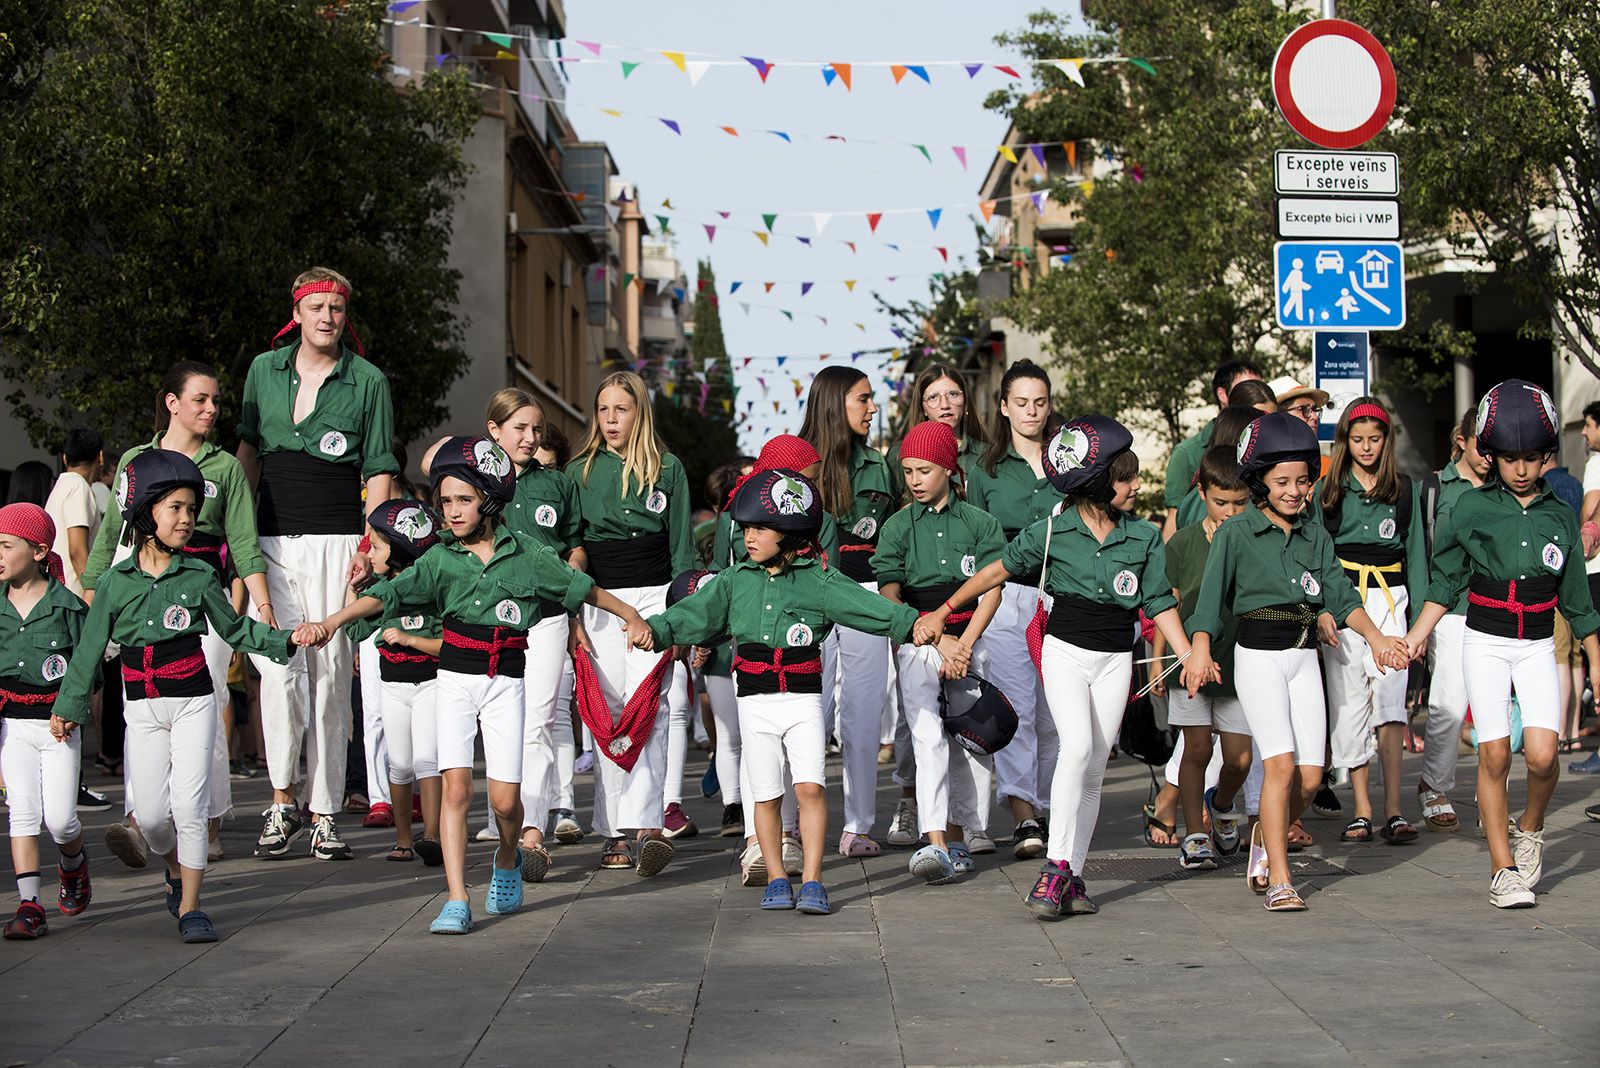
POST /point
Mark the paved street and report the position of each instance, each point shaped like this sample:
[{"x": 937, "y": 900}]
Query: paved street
[{"x": 1400, "y": 961}]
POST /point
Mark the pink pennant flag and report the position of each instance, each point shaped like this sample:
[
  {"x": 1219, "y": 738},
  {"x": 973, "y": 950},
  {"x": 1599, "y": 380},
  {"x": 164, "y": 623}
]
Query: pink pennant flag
[
  {"x": 724, "y": 214},
  {"x": 961, "y": 154},
  {"x": 711, "y": 232},
  {"x": 591, "y": 46}
]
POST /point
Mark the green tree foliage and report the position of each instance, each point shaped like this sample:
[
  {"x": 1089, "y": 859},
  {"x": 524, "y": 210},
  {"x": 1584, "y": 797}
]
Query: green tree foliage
[
  {"x": 167, "y": 169},
  {"x": 704, "y": 440}
]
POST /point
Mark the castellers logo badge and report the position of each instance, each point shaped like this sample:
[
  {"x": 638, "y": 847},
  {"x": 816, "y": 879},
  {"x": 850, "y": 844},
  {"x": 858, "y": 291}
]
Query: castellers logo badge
[
  {"x": 211, "y": 490},
  {"x": 789, "y": 496},
  {"x": 1074, "y": 447},
  {"x": 1246, "y": 439},
  {"x": 508, "y": 613},
  {"x": 1553, "y": 556},
  {"x": 1386, "y": 528},
  {"x": 798, "y": 635},
  {"x": 333, "y": 443},
  {"x": 412, "y": 622},
  {"x": 545, "y": 515},
  {"x": 413, "y": 523},
  {"x": 54, "y": 667},
  {"x": 866, "y": 528},
  {"x": 656, "y": 502},
  {"x": 491, "y": 459},
  {"x": 619, "y": 745},
  {"x": 175, "y": 617},
  {"x": 1126, "y": 584},
  {"x": 969, "y": 565},
  {"x": 1309, "y": 583},
  {"x": 124, "y": 487}
]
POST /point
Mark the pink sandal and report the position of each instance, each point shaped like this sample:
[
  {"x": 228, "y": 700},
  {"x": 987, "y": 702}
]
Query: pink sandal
[{"x": 857, "y": 845}]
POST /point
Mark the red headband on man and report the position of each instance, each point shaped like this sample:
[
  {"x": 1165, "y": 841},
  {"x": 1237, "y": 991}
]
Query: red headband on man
[
  {"x": 326, "y": 285},
  {"x": 33, "y": 525},
  {"x": 1369, "y": 411},
  {"x": 934, "y": 442}
]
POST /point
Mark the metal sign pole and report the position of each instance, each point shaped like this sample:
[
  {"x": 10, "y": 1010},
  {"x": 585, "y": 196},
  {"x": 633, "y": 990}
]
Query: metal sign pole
[{"x": 1327, "y": 9}]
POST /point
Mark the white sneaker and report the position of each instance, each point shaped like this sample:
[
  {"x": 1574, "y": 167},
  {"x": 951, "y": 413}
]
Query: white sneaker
[
  {"x": 793, "y": 856},
  {"x": 752, "y": 866},
  {"x": 567, "y": 830},
  {"x": 214, "y": 849},
  {"x": 1509, "y": 890},
  {"x": 903, "y": 829},
  {"x": 1195, "y": 853},
  {"x": 488, "y": 834},
  {"x": 1527, "y": 852},
  {"x": 979, "y": 842}
]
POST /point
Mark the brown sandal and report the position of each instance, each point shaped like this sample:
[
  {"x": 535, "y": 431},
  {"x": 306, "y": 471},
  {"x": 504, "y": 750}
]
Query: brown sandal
[
  {"x": 617, "y": 855},
  {"x": 535, "y": 863},
  {"x": 1299, "y": 837}
]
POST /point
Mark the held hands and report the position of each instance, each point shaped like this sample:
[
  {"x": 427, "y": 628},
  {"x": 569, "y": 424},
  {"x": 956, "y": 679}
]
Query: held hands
[
  {"x": 61, "y": 729},
  {"x": 929, "y": 628},
  {"x": 1327, "y": 630},
  {"x": 956, "y": 655},
  {"x": 638, "y": 632},
  {"x": 396, "y": 636},
  {"x": 312, "y": 635},
  {"x": 1393, "y": 653},
  {"x": 1198, "y": 670},
  {"x": 701, "y": 656}
]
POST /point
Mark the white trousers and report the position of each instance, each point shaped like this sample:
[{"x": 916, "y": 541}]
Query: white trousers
[
  {"x": 218, "y": 656},
  {"x": 863, "y": 660},
  {"x": 628, "y": 800},
  {"x": 680, "y": 728},
  {"x": 546, "y": 656},
  {"x": 1359, "y": 698},
  {"x": 374, "y": 735},
  {"x": 464, "y": 704},
  {"x": 41, "y": 776},
  {"x": 566, "y": 745},
  {"x": 1495, "y": 666},
  {"x": 783, "y": 742},
  {"x": 1281, "y": 690},
  {"x": 950, "y": 780},
  {"x": 730, "y": 743},
  {"x": 1087, "y": 693},
  {"x": 411, "y": 726},
  {"x": 1024, "y": 769},
  {"x": 306, "y": 704},
  {"x": 170, "y": 743},
  {"x": 1447, "y": 702}
]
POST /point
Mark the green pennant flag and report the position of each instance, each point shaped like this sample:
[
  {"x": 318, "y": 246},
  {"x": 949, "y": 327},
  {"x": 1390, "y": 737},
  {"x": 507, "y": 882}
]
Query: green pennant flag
[
  {"x": 627, "y": 279},
  {"x": 501, "y": 39},
  {"x": 924, "y": 150},
  {"x": 1142, "y": 63},
  {"x": 788, "y": 315},
  {"x": 627, "y": 68},
  {"x": 666, "y": 224},
  {"x": 769, "y": 220}
]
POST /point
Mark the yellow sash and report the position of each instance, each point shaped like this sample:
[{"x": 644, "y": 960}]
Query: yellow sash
[{"x": 1366, "y": 572}]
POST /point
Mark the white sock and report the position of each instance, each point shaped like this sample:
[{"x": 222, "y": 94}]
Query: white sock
[
  {"x": 75, "y": 861},
  {"x": 28, "y": 886}
]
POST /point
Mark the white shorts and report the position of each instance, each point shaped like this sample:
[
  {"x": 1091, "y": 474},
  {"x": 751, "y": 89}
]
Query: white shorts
[
  {"x": 463, "y": 704},
  {"x": 410, "y": 728},
  {"x": 1494, "y": 666},
  {"x": 780, "y": 727},
  {"x": 1221, "y": 712},
  {"x": 1281, "y": 691},
  {"x": 41, "y": 778}
]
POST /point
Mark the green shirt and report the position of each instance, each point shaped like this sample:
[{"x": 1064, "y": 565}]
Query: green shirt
[
  {"x": 351, "y": 423},
  {"x": 420, "y": 624},
  {"x": 1451, "y": 488},
  {"x": 40, "y": 645},
  {"x": 875, "y": 493},
  {"x": 1183, "y": 464},
  {"x": 1375, "y": 524},
  {"x": 1014, "y": 495},
  {"x": 921, "y": 548},
  {"x": 1254, "y": 564},
  {"x": 610, "y": 514},
  {"x": 546, "y": 508},
  {"x": 228, "y": 511},
  {"x": 1191, "y": 509},
  {"x": 449, "y": 580},
  {"x": 1128, "y": 569},
  {"x": 798, "y": 606},
  {"x": 1187, "y": 552},
  {"x": 135, "y": 609},
  {"x": 1489, "y": 533}
]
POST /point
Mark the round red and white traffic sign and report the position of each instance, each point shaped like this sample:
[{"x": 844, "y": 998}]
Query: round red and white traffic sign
[{"x": 1334, "y": 83}]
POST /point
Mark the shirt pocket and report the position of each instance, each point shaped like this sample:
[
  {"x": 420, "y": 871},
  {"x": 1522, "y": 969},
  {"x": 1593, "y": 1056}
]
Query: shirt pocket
[
  {"x": 1122, "y": 572},
  {"x": 516, "y": 604},
  {"x": 44, "y": 658},
  {"x": 1302, "y": 564},
  {"x": 1551, "y": 545}
]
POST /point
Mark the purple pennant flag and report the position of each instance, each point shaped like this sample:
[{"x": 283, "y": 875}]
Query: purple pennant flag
[
  {"x": 762, "y": 67},
  {"x": 1038, "y": 153},
  {"x": 439, "y": 60},
  {"x": 673, "y": 126},
  {"x": 1038, "y": 201},
  {"x": 805, "y": 287},
  {"x": 895, "y": 247},
  {"x": 973, "y": 69},
  {"x": 402, "y": 5},
  {"x": 806, "y": 241}
]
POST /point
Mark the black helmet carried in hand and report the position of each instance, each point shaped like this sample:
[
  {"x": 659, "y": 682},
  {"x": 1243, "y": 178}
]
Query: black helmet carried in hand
[
  {"x": 780, "y": 499},
  {"x": 479, "y": 463},
  {"x": 1077, "y": 460},
  {"x": 150, "y": 476},
  {"x": 976, "y": 714},
  {"x": 409, "y": 526},
  {"x": 1516, "y": 416}
]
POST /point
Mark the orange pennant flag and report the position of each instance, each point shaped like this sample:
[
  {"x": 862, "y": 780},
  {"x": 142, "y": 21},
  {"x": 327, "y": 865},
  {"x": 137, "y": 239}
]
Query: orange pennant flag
[
  {"x": 843, "y": 71},
  {"x": 640, "y": 283},
  {"x": 898, "y": 71},
  {"x": 677, "y": 60},
  {"x": 730, "y": 131},
  {"x": 769, "y": 285},
  {"x": 987, "y": 207}
]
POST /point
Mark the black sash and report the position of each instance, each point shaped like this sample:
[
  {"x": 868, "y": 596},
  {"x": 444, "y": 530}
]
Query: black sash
[
  {"x": 631, "y": 563},
  {"x": 1093, "y": 625},
  {"x": 301, "y": 494}
]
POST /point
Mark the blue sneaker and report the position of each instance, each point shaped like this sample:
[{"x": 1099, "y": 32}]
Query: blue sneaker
[
  {"x": 710, "y": 785},
  {"x": 813, "y": 899},
  {"x": 505, "y": 888},
  {"x": 454, "y": 919},
  {"x": 779, "y": 896},
  {"x": 932, "y": 865},
  {"x": 1589, "y": 766},
  {"x": 1224, "y": 824},
  {"x": 961, "y": 858}
]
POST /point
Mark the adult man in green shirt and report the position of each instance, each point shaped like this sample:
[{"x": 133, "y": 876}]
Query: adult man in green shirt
[
  {"x": 316, "y": 429},
  {"x": 1185, "y": 459}
]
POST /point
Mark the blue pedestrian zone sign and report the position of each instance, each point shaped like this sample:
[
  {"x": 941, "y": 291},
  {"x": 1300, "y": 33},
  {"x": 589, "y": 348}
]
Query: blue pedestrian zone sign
[{"x": 1340, "y": 285}]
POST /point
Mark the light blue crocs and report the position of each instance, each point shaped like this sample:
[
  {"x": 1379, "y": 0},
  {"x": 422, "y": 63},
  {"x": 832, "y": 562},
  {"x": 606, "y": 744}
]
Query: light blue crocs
[
  {"x": 505, "y": 888},
  {"x": 454, "y": 919},
  {"x": 961, "y": 858},
  {"x": 779, "y": 896},
  {"x": 813, "y": 899},
  {"x": 932, "y": 865}
]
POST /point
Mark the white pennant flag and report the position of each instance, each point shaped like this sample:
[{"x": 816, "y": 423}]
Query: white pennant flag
[
  {"x": 614, "y": 212},
  {"x": 1070, "y": 68},
  {"x": 711, "y": 365},
  {"x": 820, "y": 220},
  {"x": 696, "y": 71},
  {"x": 662, "y": 285}
]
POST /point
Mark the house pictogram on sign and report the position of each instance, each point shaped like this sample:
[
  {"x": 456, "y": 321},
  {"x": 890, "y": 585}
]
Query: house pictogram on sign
[{"x": 1374, "y": 269}]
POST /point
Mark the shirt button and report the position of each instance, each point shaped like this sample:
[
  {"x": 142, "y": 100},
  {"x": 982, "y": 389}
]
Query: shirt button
[
  {"x": 766, "y": 637},
  {"x": 52, "y": 645},
  {"x": 149, "y": 622},
  {"x": 477, "y": 602},
  {"x": 769, "y": 608},
  {"x": 1524, "y": 545}
]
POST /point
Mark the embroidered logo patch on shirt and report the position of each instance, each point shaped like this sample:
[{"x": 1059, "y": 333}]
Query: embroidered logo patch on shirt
[
  {"x": 211, "y": 490},
  {"x": 1553, "y": 557},
  {"x": 333, "y": 444},
  {"x": 411, "y": 622},
  {"x": 544, "y": 515},
  {"x": 656, "y": 502},
  {"x": 866, "y": 528},
  {"x": 175, "y": 618},
  {"x": 508, "y": 613},
  {"x": 54, "y": 667},
  {"x": 1126, "y": 584},
  {"x": 798, "y": 635},
  {"x": 969, "y": 565},
  {"x": 1309, "y": 583},
  {"x": 1386, "y": 529}
]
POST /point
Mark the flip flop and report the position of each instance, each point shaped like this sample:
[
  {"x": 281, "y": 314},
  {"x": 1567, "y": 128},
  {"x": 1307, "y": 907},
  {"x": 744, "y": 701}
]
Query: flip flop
[
  {"x": 505, "y": 887},
  {"x": 1398, "y": 831},
  {"x": 401, "y": 855},
  {"x": 1151, "y": 823},
  {"x": 430, "y": 851}
]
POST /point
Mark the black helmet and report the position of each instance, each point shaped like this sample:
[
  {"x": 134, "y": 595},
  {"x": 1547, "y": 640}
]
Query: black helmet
[
  {"x": 481, "y": 464},
  {"x": 687, "y": 584},
  {"x": 1077, "y": 460},
  {"x": 1516, "y": 416},
  {"x": 976, "y": 714},
  {"x": 1276, "y": 438},
  {"x": 783, "y": 500},
  {"x": 148, "y": 477},
  {"x": 410, "y": 528}
]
